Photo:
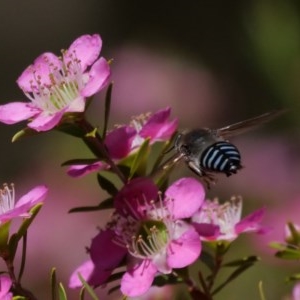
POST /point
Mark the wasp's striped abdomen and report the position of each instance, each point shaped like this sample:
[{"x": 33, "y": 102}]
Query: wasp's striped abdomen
[{"x": 221, "y": 157}]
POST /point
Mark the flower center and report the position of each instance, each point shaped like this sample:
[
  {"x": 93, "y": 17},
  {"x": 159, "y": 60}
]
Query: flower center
[
  {"x": 137, "y": 123},
  {"x": 151, "y": 237},
  {"x": 55, "y": 86},
  {"x": 224, "y": 215},
  {"x": 7, "y": 198}
]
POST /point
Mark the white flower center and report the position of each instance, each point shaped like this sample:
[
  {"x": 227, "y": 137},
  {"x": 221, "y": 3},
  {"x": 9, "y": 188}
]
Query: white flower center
[
  {"x": 7, "y": 198},
  {"x": 146, "y": 237},
  {"x": 225, "y": 215},
  {"x": 63, "y": 86},
  {"x": 137, "y": 123}
]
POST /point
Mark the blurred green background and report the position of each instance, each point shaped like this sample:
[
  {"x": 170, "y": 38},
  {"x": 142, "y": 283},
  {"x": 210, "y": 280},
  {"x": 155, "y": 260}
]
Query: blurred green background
[{"x": 213, "y": 62}]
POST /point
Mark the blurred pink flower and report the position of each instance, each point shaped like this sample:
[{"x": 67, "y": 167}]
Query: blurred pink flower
[
  {"x": 58, "y": 85},
  {"x": 5, "y": 285},
  {"x": 215, "y": 221},
  {"x": 296, "y": 292},
  {"x": 126, "y": 139},
  {"x": 148, "y": 80},
  {"x": 10, "y": 210}
]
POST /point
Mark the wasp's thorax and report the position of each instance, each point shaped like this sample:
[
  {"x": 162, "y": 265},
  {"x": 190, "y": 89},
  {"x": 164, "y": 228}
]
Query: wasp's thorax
[{"x": 192, "y": 143}]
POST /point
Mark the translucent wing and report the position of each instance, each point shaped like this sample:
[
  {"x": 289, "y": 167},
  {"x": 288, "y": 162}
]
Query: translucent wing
[{"x": 247, "y": 125}]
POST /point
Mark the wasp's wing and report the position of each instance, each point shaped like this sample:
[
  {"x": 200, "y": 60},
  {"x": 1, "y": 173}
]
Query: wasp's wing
[{"x": 246, "y": 125}]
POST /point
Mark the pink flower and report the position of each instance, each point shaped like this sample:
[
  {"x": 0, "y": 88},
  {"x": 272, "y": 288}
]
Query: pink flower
[
  {"x": 58, "y": 85},
  {"x": 150, "y": 231},
  {"x": 5, "y": 285},
  {"x": 215, "y": 221},
  {"x": 10, "y": 210},
  {"x": 296, "y": 292},
  {"x": 94, "y": 276},
  {"x": 126, "y": 139}
]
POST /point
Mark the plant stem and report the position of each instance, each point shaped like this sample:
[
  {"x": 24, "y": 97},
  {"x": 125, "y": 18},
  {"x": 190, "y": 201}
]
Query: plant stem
[
  {"x": 17, "y": 287},
  {"x": 218, "y": 264},
  {"x": 95, "y": 143}
]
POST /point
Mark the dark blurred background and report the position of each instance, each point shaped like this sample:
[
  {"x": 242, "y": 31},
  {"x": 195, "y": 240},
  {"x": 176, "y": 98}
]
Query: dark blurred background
[{"x": 213, "y": 62}]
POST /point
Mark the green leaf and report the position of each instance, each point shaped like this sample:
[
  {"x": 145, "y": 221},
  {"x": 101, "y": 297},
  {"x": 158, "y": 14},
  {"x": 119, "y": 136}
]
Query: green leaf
[
  {"x": 139, "y": 164},
  {"x": 23, "y": 257},
  {"x": 107, "y": 109},
  {"x": 295, "y": 235},
  {"x": 106, "y": 204},
  {"x": 294, "y": 277},
  {"x": 115, "y": 276},
  {"x": 53, "y": 282},
  {"x": 71, "y": 128},
  {"x": 61, "y": 292},
  {"x": 165, "y": 149},
  {"x": 4, "y": 234},
  {"x": 82, "y": 293},
  {"x": 233, "y": 276},
  {"x": 107, "y": 185},
  {"x": 240, "y": 262},
  {"x": 261, "y": 291},
  {"x": 288, "y": 254},
  {"x": 114, "y": 289},
  {"x": 166, "y": 279},
  {"x": 80, "y": 161},
  {"x": 24, "y": 133},
  {"x": 13, "y": 242},
  {"x": 88, "y": 288},
  {"x": 277, "y": 246},
  {"x": 26, "y": 223}
]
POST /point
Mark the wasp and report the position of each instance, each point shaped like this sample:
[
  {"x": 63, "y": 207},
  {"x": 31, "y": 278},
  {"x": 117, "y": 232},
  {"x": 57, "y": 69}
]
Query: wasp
[{"x": 207, "y": 151}]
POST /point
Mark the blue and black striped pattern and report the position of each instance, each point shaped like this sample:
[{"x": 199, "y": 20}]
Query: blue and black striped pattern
[{"x": 221, "y": 157}]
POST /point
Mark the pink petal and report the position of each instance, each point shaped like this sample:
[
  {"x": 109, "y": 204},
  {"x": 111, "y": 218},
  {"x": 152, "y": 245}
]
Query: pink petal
[
  {"x": 17, "y": 111},
  {"x": 251, "y": 222},
  {"x": 5, "y": 285},
  {"x": 185, "y": 250},
  {"x": 296, "y": 292},
  {"x": 26, "y": 202},
  {"x": 34, "y": 196},
  {"x": 81, "y": 170},
  {"x": 207, "y": 231},
  {"x": 118, "y": 141},
  {"x": 138, "y": 280},
  {"x": 134, "y": 196},
  {"x": 159, "y": 127},
  {"x": 98, "y": 78},
  {"x": 90, "y": 274},
  {"x": 105, "y": 253},
  {"x": 160, "y": 262},
  {"x": 40, "y": 70},
  {"x": 184, "y": 197},
  {"x": 44, "y": 121},
  {"x": 86, "y": 48},
  {"x": 18, "y": 212}
]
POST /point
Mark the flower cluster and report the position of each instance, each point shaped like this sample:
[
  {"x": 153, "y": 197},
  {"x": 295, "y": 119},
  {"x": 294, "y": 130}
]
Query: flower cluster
[
  {"x": 125, "y": 140},
  {"x": 157, "y": 229},
  {"x": 157, "y": 234}
]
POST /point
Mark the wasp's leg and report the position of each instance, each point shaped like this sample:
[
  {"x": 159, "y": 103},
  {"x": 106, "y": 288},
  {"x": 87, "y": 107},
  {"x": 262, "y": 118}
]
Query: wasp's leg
[
  {"x": 195, "y": 168},
  {"x": 208, "y": 178}
]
